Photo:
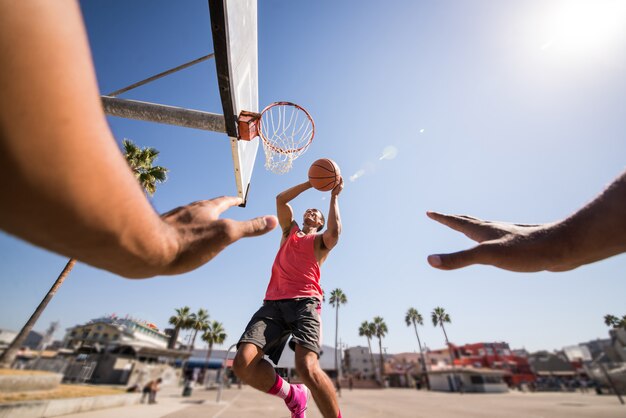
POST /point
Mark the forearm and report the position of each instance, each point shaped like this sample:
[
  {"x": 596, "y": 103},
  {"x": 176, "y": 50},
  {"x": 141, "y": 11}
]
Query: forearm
[
  {"x": 334, "y": 217},
  {"x": 598, "y": 230},
  {"x": 66, "y": 185},
  {"x": 293, "y": 192}
]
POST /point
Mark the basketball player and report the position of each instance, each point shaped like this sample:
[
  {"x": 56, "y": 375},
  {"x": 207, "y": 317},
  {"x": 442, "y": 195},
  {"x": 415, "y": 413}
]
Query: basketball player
[{"x": 292, "y": 306}]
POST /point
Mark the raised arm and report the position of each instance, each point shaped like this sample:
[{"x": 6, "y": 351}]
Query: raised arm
[
  {"x": 283, "y": 209},
  {"x": 65, "y": 185},
  {"x": 333, "y": 226},
  {"x": 593, "y": 233}
]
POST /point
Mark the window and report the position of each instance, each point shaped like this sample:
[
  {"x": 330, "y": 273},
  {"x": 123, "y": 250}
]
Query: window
[
  {"x": 96, "y": 335},
  {"x": 476, "y": 380},
  {"x": 99, "y": 328},
  {"x": 116, "y": 337},
  {"x": 105, "y": 336}
]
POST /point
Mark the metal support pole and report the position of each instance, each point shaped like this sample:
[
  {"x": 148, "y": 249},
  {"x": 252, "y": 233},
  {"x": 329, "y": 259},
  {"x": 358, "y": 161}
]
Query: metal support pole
[
  {"x": 221, "y": 385},
  {"x": 160, "y": 75},
  {"x": 170, "y": 115}
]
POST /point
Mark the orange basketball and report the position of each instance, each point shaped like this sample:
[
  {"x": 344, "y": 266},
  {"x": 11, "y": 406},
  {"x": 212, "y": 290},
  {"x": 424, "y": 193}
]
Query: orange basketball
[{"x": 324, "y": 174}]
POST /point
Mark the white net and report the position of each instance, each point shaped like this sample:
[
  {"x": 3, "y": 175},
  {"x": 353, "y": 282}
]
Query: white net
[{"x": 286, "y": 130}]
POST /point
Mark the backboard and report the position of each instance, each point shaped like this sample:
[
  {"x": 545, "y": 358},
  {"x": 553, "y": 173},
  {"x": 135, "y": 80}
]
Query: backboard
[{"x": 234, "y": 29}]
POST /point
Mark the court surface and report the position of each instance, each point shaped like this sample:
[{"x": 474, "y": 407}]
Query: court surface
[{"x": 362, "y": 403}]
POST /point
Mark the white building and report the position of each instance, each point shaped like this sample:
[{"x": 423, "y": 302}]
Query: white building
[
  {"x": 112, "y": 331},
  {"x": 467, "y": 379},
  {"x": 359, "y": 361}
]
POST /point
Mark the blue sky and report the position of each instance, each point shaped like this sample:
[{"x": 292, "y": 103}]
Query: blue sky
[{"x": 502, "y": 110}]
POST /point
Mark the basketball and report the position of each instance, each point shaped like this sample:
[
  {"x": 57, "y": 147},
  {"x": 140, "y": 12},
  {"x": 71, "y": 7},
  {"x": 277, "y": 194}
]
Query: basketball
[{"x": 324, "y": 174}]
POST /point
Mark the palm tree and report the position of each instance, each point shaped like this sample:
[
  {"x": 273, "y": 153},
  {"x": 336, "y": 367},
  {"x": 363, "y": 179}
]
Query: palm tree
[
  {"x": 380, "y": 330},
  {"x": 414, "y": 317},
  {"x": 198, "y": 322},
  {"x": 337, "y": 297},
  {"x": 182, "y": 320},
  {"x": 367, "y": 330},
  {"x": 148, "y": 177},
  {"x": 214, "y": 334},
  {"x": 439, "y": 317},
  {"x": 614, "y": 321},
  {"x": 141, "y": 161}
]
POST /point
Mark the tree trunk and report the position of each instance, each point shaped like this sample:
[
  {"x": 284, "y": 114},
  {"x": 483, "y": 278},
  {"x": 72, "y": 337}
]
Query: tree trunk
[
  {"x": 171, "y": 344},
  {"x": 382, "y": 361},
  {"x": 456, "y": 379},
  {"x": 369, "y": 344},
  {"x": 336, "y": 334},
  {"x": 205, "y": 366},
  {"x": 7, "y": 358},
  {"x": 424, "y": 366},
  {"x": 193, "y": 340}
]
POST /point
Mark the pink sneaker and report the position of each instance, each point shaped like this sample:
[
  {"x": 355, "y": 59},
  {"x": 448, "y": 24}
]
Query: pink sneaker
[{"x": 299, "y": 401}]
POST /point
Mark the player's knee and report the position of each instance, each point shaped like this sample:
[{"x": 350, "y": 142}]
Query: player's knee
[
  {"x": 307, "y": 367},
  {"x": 240, "y": 366}
]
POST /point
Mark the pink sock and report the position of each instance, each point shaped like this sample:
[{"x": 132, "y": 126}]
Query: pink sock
[
  {"x": 281, "y": 388},
  {"x": 339, "y": 416}
]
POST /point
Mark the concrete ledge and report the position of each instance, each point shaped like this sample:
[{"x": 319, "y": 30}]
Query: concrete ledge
[
  {"x": 56, "y": 407},
  {"x": 29, "y": 382}
]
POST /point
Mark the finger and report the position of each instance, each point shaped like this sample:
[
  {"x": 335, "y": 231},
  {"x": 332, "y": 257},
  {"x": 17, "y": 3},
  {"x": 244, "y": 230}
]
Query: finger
[
  {"x": 452, "y": 261},
  {"x": 459, "y": 223},
  {"x": 253, "y": 227},
  {"x": 224, "y": 202}
]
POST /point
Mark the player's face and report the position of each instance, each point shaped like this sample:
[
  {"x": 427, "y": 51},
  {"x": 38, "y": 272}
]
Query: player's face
[{"x": 312, "y": 217}]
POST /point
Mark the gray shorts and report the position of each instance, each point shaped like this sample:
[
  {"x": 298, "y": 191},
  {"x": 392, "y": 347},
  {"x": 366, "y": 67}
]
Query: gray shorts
[{"x": 270, "y": 327}]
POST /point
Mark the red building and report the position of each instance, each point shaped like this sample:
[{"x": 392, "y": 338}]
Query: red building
[{"x": 495, "y": 356}]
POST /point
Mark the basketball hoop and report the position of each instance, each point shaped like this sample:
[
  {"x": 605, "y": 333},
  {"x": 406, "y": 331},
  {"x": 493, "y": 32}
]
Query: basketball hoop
[{"x": 286, "y": 130}]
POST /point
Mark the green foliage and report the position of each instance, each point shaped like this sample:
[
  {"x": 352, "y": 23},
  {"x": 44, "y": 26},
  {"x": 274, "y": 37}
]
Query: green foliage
[
  {"x": 413, "y": 317},
  {"x": 615, "y": 322},
  {"x": 337, "y": 297},
  {"x": 182, "y": 319},
  {"x": 214, "y": 334},
  {"x": 439, "y": 316},
  {"x": 380, "y": 327},
  {"x": 141, "y": 162}
]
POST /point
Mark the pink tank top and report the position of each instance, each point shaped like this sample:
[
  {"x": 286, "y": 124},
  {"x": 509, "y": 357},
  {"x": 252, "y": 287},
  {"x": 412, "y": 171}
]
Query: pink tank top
[{"x": 296, "y": 272}]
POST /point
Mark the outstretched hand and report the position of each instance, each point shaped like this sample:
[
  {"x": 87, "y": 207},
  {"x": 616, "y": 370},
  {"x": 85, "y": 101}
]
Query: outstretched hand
[
  {"x": 201, "y": 235},
  {"x": 338, "y": 188},
  {"x": 514, "y": 247}
]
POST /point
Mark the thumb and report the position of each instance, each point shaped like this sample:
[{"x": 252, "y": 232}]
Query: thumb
[
  {"x": 459, "y": 259},
  {"x": 255, "y": 227}
]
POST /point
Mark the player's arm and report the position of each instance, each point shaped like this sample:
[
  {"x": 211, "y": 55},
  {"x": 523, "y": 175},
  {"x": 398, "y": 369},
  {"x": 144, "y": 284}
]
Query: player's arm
[
  {"x": 330, "y": 237},
  {"x": 595, "y": 232},
  {"x": 65, "y": 185},
  {"x": 284, "y": 210}
]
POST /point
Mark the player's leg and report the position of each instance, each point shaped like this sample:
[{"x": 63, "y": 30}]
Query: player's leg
[
  {"x": 266, "y": 333},
  {"x": 318, "y": 382},
  {"x": 305, "y": 316},
  {"x": 250, "y": 366}
]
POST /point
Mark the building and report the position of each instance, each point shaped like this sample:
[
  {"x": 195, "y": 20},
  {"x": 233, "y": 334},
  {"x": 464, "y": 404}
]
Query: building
[
  {"x": 32, "y": 341},
  {"x": 116, "y": 350},
  {"x": 497, "y": 356},
  {"x": 111, "y": 331},
  {"x": 405, "y": 370},
  {"x": 358, "y": 362},
  {"x": 554, "y": 371},
  {"x": 467, "y": 379}
]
